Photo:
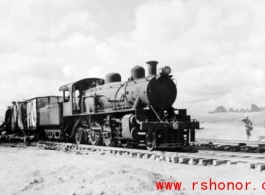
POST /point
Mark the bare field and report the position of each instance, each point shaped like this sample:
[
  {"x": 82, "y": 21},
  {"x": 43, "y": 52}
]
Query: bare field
[
  {"x": 37, "y": 171},
  {"x": 229, "y": 126}
]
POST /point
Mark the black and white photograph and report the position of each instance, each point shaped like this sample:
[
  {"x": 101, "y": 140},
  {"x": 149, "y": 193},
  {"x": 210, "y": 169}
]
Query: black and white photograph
[{"x": 130, "y": 97}]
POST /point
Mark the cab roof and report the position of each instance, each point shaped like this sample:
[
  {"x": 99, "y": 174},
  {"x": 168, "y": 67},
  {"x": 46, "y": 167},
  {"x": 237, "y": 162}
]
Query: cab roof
[{"x": 84, "y": 82}]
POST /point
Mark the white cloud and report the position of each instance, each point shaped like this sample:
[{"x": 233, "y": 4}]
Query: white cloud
[
  {"x": 78, "y": 40},
  {"x": 95, "y": 72},
  {"x": 215, "y": 48},
  {"x": 73, "y": 22}
]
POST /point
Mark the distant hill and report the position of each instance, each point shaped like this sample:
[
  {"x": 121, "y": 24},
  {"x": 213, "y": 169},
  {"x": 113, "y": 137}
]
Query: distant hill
[
  {"x": 231, "y": 110},
  {"x": 218, "y": 110},
  {"x": 242, "y": 110},
  {"x": 254, "y": 108}
]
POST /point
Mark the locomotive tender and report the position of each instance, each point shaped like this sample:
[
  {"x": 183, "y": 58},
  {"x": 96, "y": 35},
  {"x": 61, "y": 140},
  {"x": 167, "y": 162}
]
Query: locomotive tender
[
  {"x": 111, "y": 112},
  {"x": 25, "y": 115}
]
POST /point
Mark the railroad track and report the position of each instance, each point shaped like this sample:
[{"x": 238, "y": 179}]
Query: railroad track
[
  {"x": 201, "y": 157},
  {"x": 230, "y": 145}
]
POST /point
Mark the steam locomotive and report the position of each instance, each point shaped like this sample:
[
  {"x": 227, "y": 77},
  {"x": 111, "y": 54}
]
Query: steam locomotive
[{"x": 110, "y": 112}]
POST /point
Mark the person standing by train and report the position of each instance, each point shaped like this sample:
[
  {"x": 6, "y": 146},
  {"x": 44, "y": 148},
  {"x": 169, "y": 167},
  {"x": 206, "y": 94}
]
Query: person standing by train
[{"x": 248, "y": 126}]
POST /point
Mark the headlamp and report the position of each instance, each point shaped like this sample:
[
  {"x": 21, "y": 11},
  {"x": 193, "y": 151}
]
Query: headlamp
[{"x": 165, "y": 70}]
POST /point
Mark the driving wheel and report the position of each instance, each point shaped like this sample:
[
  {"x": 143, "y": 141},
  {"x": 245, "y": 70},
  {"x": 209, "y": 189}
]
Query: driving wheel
[
  {"x": 107, "y": 134},
  {"x": 79, "y": 136},
  {"x": 95, "y": 135}
]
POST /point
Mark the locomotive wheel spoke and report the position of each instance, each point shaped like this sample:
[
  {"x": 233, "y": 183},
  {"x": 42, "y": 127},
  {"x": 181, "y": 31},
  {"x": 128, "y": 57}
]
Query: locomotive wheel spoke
[
  {"x": 150, "y": 142},
  {"x": 108, "y": 140},
  {"x": 95, "y": 135},
  {"x": 150, "y": 146},
  {"x": 107, "y": 135},
  {"x": 79, "y": 136}
]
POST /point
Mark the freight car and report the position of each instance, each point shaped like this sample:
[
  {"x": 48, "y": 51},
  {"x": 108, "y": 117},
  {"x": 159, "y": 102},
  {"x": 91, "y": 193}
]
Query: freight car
[
  {"x": 24, "y": 116},
  {"x": 113, "y": 112}
]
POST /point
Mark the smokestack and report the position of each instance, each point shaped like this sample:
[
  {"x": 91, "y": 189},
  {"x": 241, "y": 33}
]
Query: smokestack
[{"x": 152, "y": 67}]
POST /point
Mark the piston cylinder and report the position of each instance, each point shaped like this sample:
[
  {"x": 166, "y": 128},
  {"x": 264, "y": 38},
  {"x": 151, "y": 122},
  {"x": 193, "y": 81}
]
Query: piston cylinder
[{"x": 130, "y": 128}]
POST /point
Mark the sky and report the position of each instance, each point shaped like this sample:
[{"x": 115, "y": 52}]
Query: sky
[{"x": 215, "y": 48}]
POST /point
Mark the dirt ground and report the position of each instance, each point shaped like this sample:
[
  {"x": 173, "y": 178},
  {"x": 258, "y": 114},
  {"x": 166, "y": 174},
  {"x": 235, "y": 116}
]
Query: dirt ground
[{"x": 37, "y": 171}]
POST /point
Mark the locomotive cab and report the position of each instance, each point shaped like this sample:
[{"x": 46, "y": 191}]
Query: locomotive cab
[{"x": 72, "y": 95}]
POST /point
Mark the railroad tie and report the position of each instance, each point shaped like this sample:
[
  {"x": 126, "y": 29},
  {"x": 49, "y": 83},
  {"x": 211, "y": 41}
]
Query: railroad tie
[
  {"x": 203, "y": 162},
  {"x": 184, "y": 160},
  {"x": 153, "y": 157},
  {"x": 260, "y": 167},
  {"x": 250, "y": 165},
  {"x": 167, "y": 159},
  {"x": 160, "y": 158},
  {"x": 108, "y": 151},
  {"x": 130, "y": 154},
  {"x": 193, "y": 161},
  {"x": 174, "y": 159},
  {"x": 139, "y": 155},
  {"x": 147, "y": 156},
  {"x": 133, "y": 154},
  {"x": 219, "y": 162}
]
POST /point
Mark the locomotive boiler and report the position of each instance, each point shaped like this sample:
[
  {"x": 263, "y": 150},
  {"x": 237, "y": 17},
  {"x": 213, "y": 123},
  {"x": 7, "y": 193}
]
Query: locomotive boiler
[{"x": 113, "y": 112}]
